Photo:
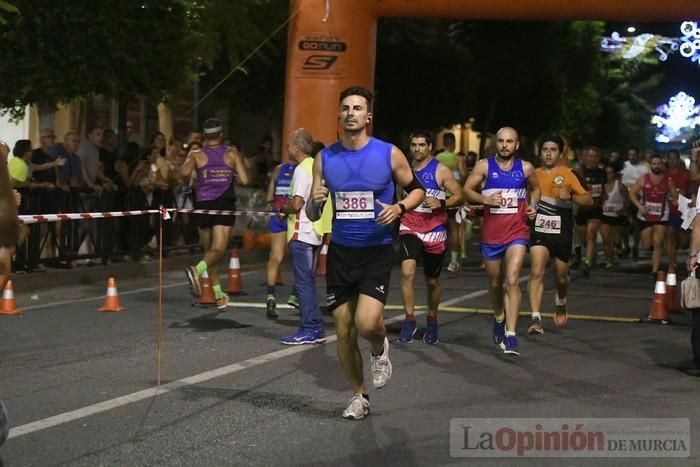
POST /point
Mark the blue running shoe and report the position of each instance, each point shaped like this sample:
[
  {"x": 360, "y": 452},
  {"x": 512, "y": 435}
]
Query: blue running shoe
[
  {"x": 304, "y": 337},
  {"x": 499, "y": 332},
  {"x": 511, "y": 345},
  {"x": 320, "y": 336},
  {"x": 431, "y": 333},
  {"x": 407, "y": 331}
]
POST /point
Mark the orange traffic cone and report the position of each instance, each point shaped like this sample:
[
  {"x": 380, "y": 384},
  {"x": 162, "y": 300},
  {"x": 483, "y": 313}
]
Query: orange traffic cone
[
  {"x": 671, "y": 290},
  {"x": 9, "y": 305},
  {"x": 659, "y": 307},
  {"x": 235, "y": 282},
  {"x": 112, "y": 298},
  {"x": 322, "y": 258},
  {"x": 206, "y": 296}
]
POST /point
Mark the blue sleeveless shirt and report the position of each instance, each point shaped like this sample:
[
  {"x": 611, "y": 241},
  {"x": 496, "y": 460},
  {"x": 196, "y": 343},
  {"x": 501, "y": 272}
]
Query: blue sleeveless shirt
[
  {"x": 282, "y": 184},
  {"x": 356, "y": 179},
  {"x": 424, "y": 219},
  {"x": 502, "y": 225}
]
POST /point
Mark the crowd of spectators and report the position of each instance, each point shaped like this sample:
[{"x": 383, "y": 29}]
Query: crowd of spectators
[{"x": 96, "y": 174}]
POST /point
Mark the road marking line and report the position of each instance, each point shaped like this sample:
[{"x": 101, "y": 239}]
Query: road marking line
[
  {"x": 101, "y": 297},
  {"x": 153, "y": 391},
  {"x": 484, "y": 311},
  {"x": 280, "y": 306},
  {"x": 138, "y": 396},
  {"x": 89, "y": 299}
]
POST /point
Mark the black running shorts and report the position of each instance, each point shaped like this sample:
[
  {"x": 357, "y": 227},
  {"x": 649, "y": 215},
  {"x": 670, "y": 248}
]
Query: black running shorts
[
  {"x": 352, "y": 271},
  {"x": 557, "y": 248},
  {"x": 614, "y": 221},
  {"x": 411, "y": 247},
  {"x": 204, "y": 221},
  {"x": 645, "y": 225},
  {"x": 585, "y": 214}
]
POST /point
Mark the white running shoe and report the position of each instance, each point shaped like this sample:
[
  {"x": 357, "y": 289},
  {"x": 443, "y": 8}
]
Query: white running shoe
[
  {"x": 222, "y": 303},
  {"x": 358, "y": 408},
  {"x": 380, "y": 366},
  {"x": 453, "y": 266}
]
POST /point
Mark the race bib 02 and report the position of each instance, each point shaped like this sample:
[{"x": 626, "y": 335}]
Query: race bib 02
[
  {"x": 548, "y": 224},
  {"x": 509, "y": 203},
  {"x": 354, "y": 205}
]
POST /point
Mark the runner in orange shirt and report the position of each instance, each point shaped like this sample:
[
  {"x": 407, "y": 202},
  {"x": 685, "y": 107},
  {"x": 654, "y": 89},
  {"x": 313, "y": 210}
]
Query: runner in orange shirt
[{"x": 553, "y": 230}]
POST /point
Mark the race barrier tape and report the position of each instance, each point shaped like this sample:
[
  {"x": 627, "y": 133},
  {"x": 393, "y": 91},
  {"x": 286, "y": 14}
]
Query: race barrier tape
[
  {"x": 224, "y": 213},
  {"x": 33, "y": 219}
]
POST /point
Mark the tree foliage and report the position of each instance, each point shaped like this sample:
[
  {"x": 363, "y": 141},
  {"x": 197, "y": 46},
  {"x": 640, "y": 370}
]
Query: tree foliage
[
  {"x": 536, "y": 76},
  {"x": 231, "y": 29},
  {"x": 248, "y": 46},
  {"x": 421, "y": 77},
  {"x": 625, "y": 96},
  {"x": 58, "y": 51},
  {"x": 539, "y": 77},
  {"x": 5, "y": 9}
]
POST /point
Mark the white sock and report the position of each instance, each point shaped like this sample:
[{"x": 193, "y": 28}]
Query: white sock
[
  {"x": 536, "y": 315},
  {"x": 559, "y": 301}
]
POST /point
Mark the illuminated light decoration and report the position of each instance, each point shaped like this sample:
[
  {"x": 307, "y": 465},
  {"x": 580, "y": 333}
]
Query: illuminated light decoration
[
  {"x": 688, "y": 45},
  {"x": 631, "y": 48},
  {"x": 678, "y": 116},
  {"x": 638, "y": 46}
]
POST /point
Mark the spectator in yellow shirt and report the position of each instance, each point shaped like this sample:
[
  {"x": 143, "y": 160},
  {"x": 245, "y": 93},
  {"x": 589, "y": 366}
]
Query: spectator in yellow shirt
[{"x": 18, "y": 167}]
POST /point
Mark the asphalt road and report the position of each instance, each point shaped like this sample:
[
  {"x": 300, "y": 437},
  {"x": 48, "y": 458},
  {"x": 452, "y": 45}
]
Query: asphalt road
[{"x": 80, "y": 385}]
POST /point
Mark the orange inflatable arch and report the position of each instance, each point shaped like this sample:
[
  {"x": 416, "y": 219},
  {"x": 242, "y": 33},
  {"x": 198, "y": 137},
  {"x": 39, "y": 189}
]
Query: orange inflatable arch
[{"x": 331, "y": 43}]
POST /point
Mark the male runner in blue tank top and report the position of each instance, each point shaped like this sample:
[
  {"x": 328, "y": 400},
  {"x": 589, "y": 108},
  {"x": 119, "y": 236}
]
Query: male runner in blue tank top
[
  {"x": 510, "y": 194},
  {"x": 217, "y": 166},
  {"x": 423, "y": 235},
  {"x": 359, "y": 172}
]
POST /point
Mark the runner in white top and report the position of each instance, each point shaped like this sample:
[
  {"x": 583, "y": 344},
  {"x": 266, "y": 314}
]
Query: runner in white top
[
  {"x": 634, "y": 168},
  {"x": 614, "y": 211}
]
